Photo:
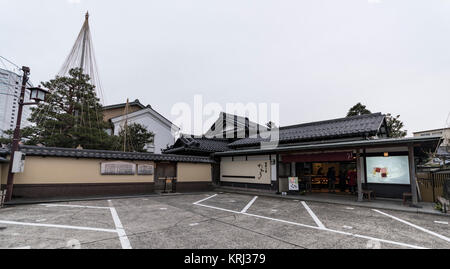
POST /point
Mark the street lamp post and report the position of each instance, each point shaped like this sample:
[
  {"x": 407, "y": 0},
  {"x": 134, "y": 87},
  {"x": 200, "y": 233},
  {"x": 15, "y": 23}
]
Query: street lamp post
[{"x": 37, "y": 94}]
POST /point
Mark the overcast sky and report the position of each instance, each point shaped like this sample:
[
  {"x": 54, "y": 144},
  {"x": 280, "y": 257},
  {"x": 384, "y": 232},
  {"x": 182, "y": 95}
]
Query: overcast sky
[{"x": 315, "y": 58}]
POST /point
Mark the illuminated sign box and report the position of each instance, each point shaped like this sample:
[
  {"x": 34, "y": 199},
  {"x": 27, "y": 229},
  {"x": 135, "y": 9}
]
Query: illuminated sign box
[{"x": 388, "y": 170}]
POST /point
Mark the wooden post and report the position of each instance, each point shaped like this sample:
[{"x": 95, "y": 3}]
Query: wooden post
[
  {"x": 363, "y": 168},
  {"x": 277, "y": 173},
  {"x": 412, "y": 174},
  {"x": 359, "y": 174},
  {"x": 293, "y": 169}
]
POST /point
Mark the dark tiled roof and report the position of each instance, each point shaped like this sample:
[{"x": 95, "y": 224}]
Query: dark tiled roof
[
  {"x": 106, "y": 154},
  {"x": 199, "y": 144},
  {"x": 422, "y": 145},
  {"x": 135, "y": 102},
  {"x": 356, "y": 126}
]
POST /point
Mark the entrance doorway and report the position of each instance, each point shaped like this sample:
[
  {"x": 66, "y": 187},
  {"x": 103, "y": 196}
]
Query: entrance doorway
[
  {"x": 165, "y": 176},
  {"x": 335, "y": 177},
  {"x": 320, "y": 172}
]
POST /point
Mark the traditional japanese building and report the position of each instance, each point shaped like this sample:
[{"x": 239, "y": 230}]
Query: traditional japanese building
[{"x": 310, "y": 154}]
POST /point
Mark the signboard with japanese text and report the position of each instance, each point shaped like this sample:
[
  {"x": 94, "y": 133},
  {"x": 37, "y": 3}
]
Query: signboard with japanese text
[
  {"x": 145, "y": 169},
  {"x": 293, "y": 183},
  {"x": 118, "y": 168},
  {"x": 250, "y": 171}
]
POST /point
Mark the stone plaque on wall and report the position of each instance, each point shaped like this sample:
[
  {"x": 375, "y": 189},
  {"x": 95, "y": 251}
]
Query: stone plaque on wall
[
  {"x": 145, "y": 169},
  {"x": 118, "y": 168}
]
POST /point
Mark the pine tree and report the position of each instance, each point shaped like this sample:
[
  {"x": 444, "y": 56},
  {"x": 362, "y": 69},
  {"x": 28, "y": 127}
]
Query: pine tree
[
  {"x": 394, "y": 126},
  {"x": 136, "y": 139},
  {"x": 70, "y": 116},
  {"x": 358, "y": 109}
]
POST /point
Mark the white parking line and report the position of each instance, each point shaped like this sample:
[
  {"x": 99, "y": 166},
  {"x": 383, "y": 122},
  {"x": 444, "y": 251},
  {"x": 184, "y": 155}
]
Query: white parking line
[
  {"x": 119, "y": 228},
  {"x": 336, "y": 231},
  {"x": 315, "y": 218},
  {"x": 218, "y": 208},
  {"x": 314, "y": 227},
  {"x": 58, "y": 226},
  {"x": 76, "y": 206},
  {"x": 205, "y": 199},
  {"x": 415, "y": 226},
  {"x": 280, "y": 220},
  {"x": 441, "y": 222},
  {"x": 249, "y": 204}
]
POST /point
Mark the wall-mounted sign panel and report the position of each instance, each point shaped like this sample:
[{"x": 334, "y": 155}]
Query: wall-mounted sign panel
[
  {"x": 118, "y": 168},
  {"x": 145, "y": 169},
  {"x": 388, "y": 170},
  {"x": 256, "y": 172},
  {"x": 18, "y": 165}
]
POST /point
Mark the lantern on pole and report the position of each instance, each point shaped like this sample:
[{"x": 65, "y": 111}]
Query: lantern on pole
[{"x": 38, "y": 94}]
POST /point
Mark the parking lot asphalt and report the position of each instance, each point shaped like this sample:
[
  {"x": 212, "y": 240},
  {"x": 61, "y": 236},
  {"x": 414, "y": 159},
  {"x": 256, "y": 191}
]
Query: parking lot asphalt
[{"x": 216, "y": 220}]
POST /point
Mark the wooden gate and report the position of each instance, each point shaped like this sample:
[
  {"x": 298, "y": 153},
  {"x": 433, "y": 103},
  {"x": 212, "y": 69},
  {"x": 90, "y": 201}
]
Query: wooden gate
[
  {"x": 165, "y": 174},
  {"x": 431, "y": 184}
]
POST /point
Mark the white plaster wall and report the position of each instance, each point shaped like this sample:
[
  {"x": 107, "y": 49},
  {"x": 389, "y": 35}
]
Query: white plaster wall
[
  {"x": 247, "y": 168},
  {"x": 163, "y": 135}
]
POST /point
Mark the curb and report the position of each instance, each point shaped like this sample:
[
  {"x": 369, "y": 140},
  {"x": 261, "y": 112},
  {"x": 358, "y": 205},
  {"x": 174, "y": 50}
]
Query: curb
[{"x": 96, "y": 198}]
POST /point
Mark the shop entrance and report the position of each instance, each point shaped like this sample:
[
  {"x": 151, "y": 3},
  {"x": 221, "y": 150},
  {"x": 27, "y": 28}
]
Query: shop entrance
[
  {"x": 335, "y": 177},
  {"x": 333, "y": 172}
]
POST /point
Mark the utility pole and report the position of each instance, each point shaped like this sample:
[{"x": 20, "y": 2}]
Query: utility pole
[
  {"x": 37, "y": 94},
  {"x": 16, "y": 137}
]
